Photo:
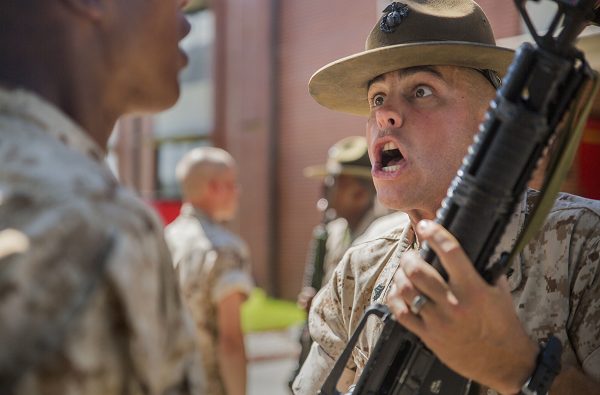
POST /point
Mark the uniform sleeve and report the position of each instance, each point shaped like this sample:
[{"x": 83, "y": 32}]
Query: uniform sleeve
[
  {"x": 326, "y": 324},
  {"x": 157, "y": 329},
  {"x": 107, "y": 301},
  {"x": 231, "y": 273},
  {"x": 584, "y": 328}
]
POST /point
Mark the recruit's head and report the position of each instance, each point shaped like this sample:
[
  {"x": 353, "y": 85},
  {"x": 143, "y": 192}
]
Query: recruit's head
[
  {"x": 208, "y": 180},
  {"x": 123, "y": 54}
]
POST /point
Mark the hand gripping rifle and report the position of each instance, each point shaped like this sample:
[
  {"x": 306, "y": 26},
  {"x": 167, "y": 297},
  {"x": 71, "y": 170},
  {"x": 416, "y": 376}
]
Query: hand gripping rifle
[{"x": 545, "y": 99}]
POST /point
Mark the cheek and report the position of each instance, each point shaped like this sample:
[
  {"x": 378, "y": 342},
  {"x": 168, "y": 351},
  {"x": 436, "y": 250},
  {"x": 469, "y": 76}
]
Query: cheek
[
  {"x": 456, "y": 135},
  {"x": 371, "y": 134}
]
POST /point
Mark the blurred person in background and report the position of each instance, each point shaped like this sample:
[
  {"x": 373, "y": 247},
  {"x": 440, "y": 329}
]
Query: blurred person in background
[
  {"x": 89, "y": 302},
  {"x": 350, "y": 214},
  {"x": 212, "y": 264}
]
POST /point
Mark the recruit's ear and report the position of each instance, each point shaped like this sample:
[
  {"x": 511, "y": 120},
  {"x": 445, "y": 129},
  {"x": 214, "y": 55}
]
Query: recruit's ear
[{"x": 89, "y": 8}]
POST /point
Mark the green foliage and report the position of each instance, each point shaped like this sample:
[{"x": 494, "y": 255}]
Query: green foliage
[{"x": 263, "y": 313}]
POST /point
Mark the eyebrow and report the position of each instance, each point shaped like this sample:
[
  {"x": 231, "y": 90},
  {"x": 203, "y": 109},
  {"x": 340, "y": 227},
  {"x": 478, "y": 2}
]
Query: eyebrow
[{"x": 407, "y": 72}]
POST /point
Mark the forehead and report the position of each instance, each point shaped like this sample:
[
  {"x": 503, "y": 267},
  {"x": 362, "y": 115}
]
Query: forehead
[
  {"x": 230, "y": 171},
  {"x": 444, "y": 73}
]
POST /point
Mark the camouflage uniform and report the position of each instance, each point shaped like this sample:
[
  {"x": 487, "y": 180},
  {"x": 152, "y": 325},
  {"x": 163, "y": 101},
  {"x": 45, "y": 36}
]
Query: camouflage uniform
[
  {"x": 340, "y": 238},
  {"x": 211, "y": 263},
  {"x": 381, "y": 226},
  {"x": 88, "y": 297},
  {"x": 555, "y": 288}
]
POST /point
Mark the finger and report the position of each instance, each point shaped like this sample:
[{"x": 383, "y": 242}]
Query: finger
[
  {"x": 452, "y": 256},
  {"x": 407, "y": 292},
  {"x": 404, "y": 288},
  {"x": 502, "y": 283},
  {"x": 424, "y": 279},
  {"x": 402, "y": 312}
]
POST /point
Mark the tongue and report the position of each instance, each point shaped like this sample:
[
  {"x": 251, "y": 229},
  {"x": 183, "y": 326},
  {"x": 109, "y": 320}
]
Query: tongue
[{"x": 393, "y": 162}]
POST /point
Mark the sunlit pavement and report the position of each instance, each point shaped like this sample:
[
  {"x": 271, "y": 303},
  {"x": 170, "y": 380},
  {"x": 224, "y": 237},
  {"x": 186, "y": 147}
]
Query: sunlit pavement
[{"x": 272, "y": 357}]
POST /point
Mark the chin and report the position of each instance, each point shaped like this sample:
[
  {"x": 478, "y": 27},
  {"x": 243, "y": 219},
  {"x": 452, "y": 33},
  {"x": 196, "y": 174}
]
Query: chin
[
  {"x": 168, "y": 97},
  {"x": 226, "y": 216},
  {"x": 153, "y": 102}
]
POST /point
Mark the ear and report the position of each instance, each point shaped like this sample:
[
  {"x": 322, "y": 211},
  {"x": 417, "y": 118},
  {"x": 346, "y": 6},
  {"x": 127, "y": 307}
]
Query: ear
[{"x": 93, "y": 9}]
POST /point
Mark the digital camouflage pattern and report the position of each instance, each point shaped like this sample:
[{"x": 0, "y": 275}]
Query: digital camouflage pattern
[
  {"x": 211, "y": 263},
  {"x": 340, "y": 238},
  {"x": 89, "y": 303},
  {"x": 555, "y": 286}
]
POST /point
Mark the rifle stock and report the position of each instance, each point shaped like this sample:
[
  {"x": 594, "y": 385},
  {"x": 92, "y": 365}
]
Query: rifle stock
[{"x": 543, "y": 84}]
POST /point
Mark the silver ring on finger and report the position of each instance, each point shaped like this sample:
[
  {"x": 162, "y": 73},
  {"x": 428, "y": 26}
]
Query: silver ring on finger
[{"x": 417, "y": 304}]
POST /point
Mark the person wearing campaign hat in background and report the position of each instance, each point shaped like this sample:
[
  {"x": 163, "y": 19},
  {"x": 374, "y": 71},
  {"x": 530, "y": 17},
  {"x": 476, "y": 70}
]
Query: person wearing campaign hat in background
[
  {"x": 350, "y": 194},
  {"x": 350, "y": 211},
  {"x": 429, "y": 70}
]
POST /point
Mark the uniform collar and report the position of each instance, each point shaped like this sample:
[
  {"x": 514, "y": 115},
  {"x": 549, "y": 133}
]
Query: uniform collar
[
  {"x": 506, "y": 244},
  {"x": 193, "y": 211},
  {"x": 407, "y": 241},
  {"x": 31, "y": 108},
  {"x": 364, "y": 223}
]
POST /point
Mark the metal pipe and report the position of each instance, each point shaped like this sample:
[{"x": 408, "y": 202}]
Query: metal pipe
[{"x": 273, "y": 150}]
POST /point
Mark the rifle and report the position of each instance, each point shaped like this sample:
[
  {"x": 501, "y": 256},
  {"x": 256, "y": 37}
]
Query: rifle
[
  {"x": 318, "y": 247},
  {"x": 315, "y": 265},
  {"x": 546, "y": 97}
]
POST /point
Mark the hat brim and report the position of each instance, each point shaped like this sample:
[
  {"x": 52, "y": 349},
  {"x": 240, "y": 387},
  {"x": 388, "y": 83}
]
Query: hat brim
[
  {"x": 342, "y": 85},
  {"x": 320, "y": 171}
]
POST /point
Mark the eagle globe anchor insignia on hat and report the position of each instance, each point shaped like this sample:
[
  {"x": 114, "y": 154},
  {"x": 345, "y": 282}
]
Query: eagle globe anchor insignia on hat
[
  {"x": 394, "y": 14},
  {"x": 412, "y": 33}
]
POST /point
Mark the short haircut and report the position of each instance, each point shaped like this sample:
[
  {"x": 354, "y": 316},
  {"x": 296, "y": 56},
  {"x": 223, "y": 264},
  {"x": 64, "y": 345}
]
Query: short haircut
[{"x": 199, "y": 166}]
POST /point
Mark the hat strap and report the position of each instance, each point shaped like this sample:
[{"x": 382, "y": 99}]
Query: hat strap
[{"x": 492, "y": 77}]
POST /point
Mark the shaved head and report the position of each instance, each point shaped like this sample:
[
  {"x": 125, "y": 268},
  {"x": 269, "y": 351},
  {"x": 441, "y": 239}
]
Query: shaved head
[{"x": 199, "y": 166}]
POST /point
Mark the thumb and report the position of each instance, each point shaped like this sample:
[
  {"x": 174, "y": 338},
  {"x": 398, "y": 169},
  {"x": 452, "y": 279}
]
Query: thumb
[{"x": 502, "y": 283}]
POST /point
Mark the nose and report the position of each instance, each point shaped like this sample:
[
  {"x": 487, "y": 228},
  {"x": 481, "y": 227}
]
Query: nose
[
  {"x": 184, "y": 23},
  {"x": 388, "y": 117},
  {"x": 186, "y": 27}
]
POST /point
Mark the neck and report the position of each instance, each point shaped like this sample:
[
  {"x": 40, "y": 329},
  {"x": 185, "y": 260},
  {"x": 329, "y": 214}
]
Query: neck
[
  {"x": 54, "y": 71},
  {"x": 355, "y": 220},
  {"x": 206, "y": 207},
  {"x": 417, "y": 215}
]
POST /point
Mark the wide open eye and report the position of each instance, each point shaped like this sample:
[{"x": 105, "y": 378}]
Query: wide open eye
[
  {"x": 377, "y": 100},
  {"x": 423, "y": 91}
]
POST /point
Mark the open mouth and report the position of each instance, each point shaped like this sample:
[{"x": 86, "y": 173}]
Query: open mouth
[{"x": 390, "y": 157}]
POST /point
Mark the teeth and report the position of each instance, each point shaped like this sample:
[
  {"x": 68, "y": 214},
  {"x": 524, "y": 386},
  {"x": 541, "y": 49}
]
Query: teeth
[
  {"x": 390, "y": 168},
  {"x": 389, "y": 146}
]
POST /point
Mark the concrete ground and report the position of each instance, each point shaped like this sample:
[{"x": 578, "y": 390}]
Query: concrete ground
[{"x": 272, "y": 357}]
